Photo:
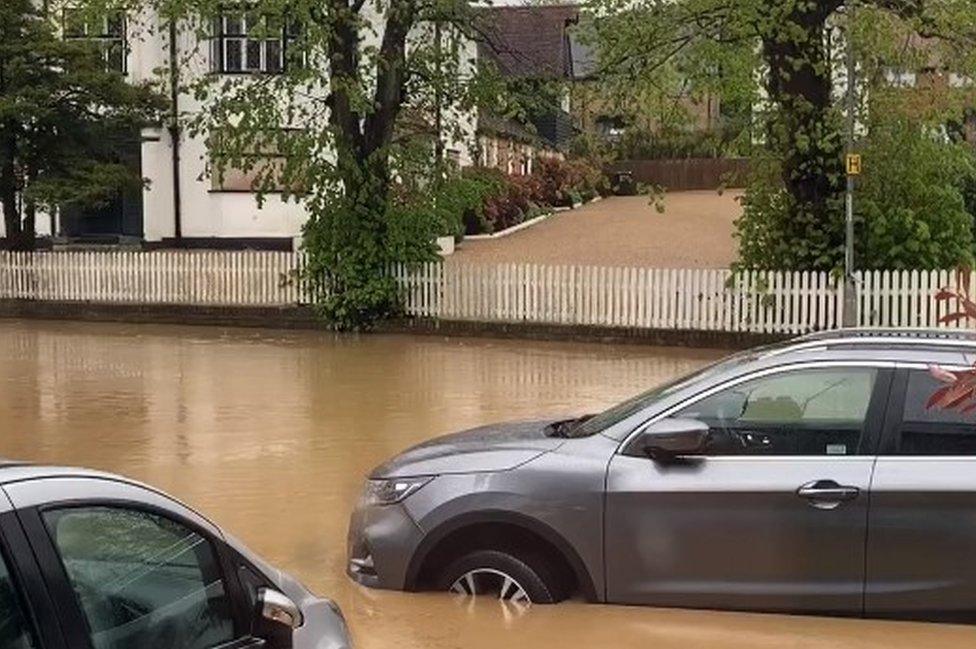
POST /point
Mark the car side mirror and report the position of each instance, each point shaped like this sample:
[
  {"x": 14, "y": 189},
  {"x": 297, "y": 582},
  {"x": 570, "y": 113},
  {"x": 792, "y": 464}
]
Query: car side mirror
[
  {"x": 668, "y": 439},
  {"x": 276, "y": 610}
]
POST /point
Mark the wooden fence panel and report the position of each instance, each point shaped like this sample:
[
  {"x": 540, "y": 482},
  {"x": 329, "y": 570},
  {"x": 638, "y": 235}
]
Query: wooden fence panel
[{"x": 686, "y": 173}]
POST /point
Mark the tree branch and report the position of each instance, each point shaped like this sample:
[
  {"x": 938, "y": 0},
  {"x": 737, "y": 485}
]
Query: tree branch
[{"x": 391, "y": 76}]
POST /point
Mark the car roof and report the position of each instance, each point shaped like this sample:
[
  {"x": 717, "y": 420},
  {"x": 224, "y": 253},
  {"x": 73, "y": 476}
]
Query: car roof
[
  {"x": 927, "y": 346},
  {"x": 13, "y": 471},
  {"x": 19, "y": 471}
]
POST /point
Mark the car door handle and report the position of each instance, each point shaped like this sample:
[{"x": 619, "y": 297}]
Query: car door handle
[{"x": 827, "y": 492}]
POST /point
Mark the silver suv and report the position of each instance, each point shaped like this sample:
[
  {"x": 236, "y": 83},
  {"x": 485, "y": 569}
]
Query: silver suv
[
  {"x": 802, "y": 477},
  {"x": 89, "y": 559}
]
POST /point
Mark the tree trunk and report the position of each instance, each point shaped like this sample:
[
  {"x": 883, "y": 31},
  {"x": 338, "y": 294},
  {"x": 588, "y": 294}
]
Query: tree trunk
[
  {"x": 28, "y": 231},
  {"x": 805, "y": 131},
  {"x": 8, "y": 190}
]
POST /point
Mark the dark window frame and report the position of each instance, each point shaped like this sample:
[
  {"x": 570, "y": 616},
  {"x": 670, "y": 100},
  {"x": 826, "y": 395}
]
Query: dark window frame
[
  {"x": 59, "y": 584},
  {"x": 871, "y": 433},
  {"x": 11, "y": 566},
  {"x": 27, "y": 572},
  {"x": 895, "y": 421},
  {"x": 104, "y": 38},
  {"x": 222, "y": 38}
]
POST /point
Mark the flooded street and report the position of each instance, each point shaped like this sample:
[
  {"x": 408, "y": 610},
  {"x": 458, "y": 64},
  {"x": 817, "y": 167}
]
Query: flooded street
[{"x": 270, "y": 434}]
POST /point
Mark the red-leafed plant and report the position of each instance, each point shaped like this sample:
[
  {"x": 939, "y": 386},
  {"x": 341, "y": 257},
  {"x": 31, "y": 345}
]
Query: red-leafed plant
[
  {"x": 959, "y": 389},
  {"x": 513, "y": 204}
]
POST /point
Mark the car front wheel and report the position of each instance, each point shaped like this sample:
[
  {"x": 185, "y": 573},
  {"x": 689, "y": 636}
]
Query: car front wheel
[{"x": 503, "y": 575}]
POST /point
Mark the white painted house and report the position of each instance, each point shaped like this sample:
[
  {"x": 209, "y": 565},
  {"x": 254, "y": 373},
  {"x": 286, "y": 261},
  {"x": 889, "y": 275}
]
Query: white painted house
[
  {"x": 180, "y": 200},
  {"x": 181, "y": 205}
]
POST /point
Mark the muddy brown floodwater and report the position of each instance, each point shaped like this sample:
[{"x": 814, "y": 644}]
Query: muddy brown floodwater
[{"x": 271, "y": 433}]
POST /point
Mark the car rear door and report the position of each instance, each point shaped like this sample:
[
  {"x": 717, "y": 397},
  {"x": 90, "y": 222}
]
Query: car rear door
[
  {"x": 127, "y": 567},
  {"x": 921, "y": 560},
  {"x": 773, "y": 517},
  {"x": 27, "y": 616}
]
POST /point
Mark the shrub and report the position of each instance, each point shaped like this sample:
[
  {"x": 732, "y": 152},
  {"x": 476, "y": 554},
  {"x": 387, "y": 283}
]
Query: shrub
[
  {"x": 910, "y": 208},
  {"x": 510, "y": 199},
  {"x": 913, "y": 200},
  {"x": 459, "y": 202},
  {"x": 510, "y": 207},
  {"x": 555, "y": 181},
  {"x": 638, "y": 143},
  {"x": 564, "y": 183}
]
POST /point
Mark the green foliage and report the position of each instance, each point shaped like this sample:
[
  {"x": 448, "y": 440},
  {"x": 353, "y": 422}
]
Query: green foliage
[
  {"x": 767, "y": 228},
  {"x": 642, "y": 144},
  {"x": 653, "y": 73},
  {"x": 356, "y": 128},
  {"x": 793, "y": 216},
  {"x": 63, "y": 120},
  {"x": 508, "y": 200},
  {"x": 455, "y": 203},
  {"x": 911, "y": 208},
  {"x": 911, "y": 205},
  {"x": 460, "y": 201}
]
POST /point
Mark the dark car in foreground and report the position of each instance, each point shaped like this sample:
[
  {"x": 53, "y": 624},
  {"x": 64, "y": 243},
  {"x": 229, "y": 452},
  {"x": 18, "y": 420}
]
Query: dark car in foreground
[
  {"x": 90, "y": 560},
  {"x": 808, "y": 476}
]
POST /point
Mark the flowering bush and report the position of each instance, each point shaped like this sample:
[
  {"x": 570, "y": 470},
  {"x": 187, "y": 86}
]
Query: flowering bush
[
  {"x": 565, "y": 183},
  {"x": 514, "y": 198},
  {"x": 513, "y": 204}
]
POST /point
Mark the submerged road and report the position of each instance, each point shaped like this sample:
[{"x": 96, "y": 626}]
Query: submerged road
[{"x": 271, "y": 433}]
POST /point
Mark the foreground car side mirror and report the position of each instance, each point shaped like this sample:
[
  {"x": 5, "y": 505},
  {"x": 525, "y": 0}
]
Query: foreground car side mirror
[
  {"x": 669, "y": 439},
  {"x": 276, "y": 610}
]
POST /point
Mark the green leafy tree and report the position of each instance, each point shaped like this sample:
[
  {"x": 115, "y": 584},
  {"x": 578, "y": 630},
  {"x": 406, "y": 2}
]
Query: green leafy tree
[
  {"x": 794, "y": 209},
  {"x": 365, "y": 88},
  {"x": 650, "y": 95},
  {"x": 911, "y": 206},
  {"x": 63, "y": 118}
]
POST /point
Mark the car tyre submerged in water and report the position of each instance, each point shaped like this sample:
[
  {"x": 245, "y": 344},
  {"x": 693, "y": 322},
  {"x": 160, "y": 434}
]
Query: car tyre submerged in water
[{"x": 504, "y": 575}]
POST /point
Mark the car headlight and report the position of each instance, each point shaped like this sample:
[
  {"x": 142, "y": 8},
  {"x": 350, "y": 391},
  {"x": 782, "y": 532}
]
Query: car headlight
[{"x": 393, "y": 490}]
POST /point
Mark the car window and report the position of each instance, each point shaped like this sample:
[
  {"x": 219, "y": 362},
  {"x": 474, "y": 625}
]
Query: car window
[
  {"x": 142, "y": 580},
  {"x": 800, "y": 412},
  {"x": 14, "y": 630},
  {"x": 623, "y": 410},
  {"x": 933, "y": 431}
]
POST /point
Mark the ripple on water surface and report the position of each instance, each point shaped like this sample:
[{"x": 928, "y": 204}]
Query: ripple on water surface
[{"x": 270, "y": 433}]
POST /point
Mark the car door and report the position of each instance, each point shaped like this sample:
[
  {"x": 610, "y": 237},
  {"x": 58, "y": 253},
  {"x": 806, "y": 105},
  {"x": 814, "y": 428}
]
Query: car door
[
  {"x": 922, "y": 538},
  {"x": 126, "y": 568},
  {"x": 773, "y": 514},
  {"x": 27, "y": 617}
]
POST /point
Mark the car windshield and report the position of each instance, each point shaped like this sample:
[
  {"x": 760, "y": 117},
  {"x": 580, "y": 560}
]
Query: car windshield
[{"x": 591, "y": 425}]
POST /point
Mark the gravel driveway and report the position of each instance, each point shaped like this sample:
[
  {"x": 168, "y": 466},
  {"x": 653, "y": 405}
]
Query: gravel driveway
[{"x": 695, "y": 231}]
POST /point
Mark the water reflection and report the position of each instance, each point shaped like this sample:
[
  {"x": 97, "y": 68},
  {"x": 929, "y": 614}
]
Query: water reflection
[{"x": 270, "y": 434}]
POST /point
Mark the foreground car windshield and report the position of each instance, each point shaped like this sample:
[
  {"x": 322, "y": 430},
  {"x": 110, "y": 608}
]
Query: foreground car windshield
[{"x": 607, "y": 418}]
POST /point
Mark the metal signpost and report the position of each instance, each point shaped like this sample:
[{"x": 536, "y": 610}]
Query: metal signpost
[{"x": 853, "y": 168}]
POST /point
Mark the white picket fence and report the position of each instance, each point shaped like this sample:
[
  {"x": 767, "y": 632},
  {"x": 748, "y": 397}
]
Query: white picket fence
[
  {"x": 207, "y": 277},
  {"x": 650, "y": 298}
]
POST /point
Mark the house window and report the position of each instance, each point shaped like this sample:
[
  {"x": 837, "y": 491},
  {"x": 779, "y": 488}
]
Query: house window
[
  {"x": 959, "y": 80},
  {"x": 107, "y": 32},
  {"x": 453, "y": 157},
  {"x": 257, "y": 165},
  {"x": 901, "y": 78},
  {"x": 526, "y": 161},
  {"x": 249, "y": 42}
]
